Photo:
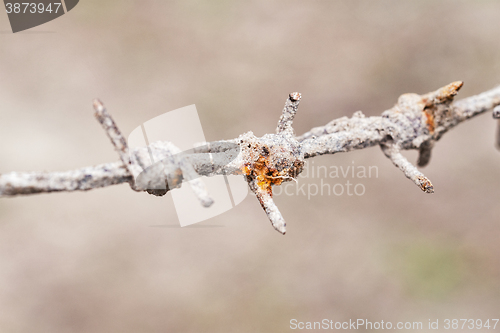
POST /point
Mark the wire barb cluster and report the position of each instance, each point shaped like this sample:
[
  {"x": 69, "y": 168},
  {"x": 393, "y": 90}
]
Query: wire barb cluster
[{"x": 415, "y": 122}]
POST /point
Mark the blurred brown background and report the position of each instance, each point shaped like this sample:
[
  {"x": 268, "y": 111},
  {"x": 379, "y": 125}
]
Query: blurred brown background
[{"x": 112, "y": 260}]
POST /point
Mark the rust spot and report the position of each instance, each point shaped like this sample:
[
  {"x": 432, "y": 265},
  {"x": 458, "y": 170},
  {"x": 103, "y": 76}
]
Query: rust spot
[
  {"x": 295, "y": 96},
  {"x": 429, "y": 118},
  {"x": 446, "y": 94},
  {"x": 452, "y": 89},
  {"x": 426, "y": 185},
  {"x": 264, "y": 174}
]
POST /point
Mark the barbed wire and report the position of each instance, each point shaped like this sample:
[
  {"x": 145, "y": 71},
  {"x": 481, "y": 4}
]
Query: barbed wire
[{"x": 415, "y": 122}]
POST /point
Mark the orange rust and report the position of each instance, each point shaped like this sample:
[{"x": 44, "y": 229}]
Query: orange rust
[
  {"x": 426, "y": 185},
  {"x": 444, "y": 94},
  {"x": 264, "y": 174},
  {"x": 451, "y": 90},
  {"x": 429, "y": 115}
]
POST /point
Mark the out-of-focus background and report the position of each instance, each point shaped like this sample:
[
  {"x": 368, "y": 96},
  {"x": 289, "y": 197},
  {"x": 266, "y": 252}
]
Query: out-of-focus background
[{"x": 112, "y": 260}]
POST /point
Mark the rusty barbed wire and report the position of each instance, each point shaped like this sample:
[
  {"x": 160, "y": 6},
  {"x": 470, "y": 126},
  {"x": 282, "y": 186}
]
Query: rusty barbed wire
[{"x": 415, "y": 122}]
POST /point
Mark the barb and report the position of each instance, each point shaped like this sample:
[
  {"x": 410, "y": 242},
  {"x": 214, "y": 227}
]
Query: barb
[
  {"x": 114, "y": 134},
  {"x": 289, "y": 111},
  {"x": 411, "y": 172},
  {"x": 266, "y": 201},
  {"x": 415, "y": 122}
]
